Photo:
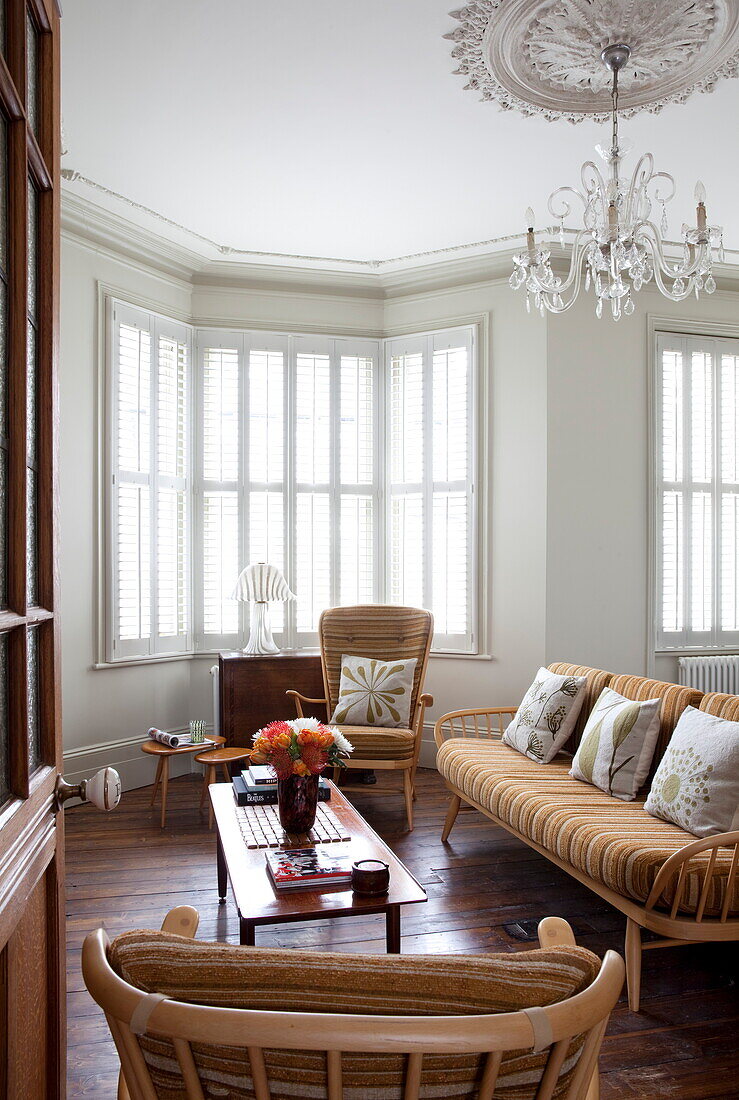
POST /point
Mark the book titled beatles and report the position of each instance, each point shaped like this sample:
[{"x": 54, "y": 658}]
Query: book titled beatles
[
  {"x": 263, "y": 794},
  {"x": 308, "y": 867}
]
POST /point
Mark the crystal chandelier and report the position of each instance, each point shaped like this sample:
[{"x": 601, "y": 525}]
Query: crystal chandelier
[{"x": 619, "y": 246}]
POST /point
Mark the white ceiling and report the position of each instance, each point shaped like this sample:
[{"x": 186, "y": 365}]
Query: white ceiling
[{"x": 335, "y": 128}]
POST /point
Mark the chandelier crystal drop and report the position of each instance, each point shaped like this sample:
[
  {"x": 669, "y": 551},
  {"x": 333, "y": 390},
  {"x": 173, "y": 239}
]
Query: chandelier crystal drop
[{"x": 620, "y": 247}]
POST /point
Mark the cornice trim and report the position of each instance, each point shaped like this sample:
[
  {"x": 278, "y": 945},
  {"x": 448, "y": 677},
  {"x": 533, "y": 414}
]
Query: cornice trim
[{"x": 276, "y": 274}]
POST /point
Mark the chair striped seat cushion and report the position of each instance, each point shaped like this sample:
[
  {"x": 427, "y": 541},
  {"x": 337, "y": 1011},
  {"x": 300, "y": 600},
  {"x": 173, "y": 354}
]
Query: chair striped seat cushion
[
  {"x": 379, "y": 742},
  {"x": 616, "y": 843},
  {"x": 222, "y": 975}
]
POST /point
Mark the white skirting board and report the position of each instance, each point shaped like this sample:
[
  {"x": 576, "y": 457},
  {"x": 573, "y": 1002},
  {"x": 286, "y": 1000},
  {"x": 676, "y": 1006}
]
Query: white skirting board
[
  {"x": 427, "y": 755},
  {"x": 135, "y": 768}
]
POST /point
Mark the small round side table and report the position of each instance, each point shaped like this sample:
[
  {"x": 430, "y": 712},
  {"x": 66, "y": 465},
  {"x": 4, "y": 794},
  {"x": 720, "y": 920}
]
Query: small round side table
[
  {"x": 163, "y": 754},
  {"x": 212, "y": 760}
]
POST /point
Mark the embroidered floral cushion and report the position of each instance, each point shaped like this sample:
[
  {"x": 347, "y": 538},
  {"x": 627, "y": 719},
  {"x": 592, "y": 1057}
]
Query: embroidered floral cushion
[
  {"x": 618, "y": 744},
  {"x": 547, "y": 715},
  {"x": 696, "y": 784},
  {"x": 374, "y": 692}
]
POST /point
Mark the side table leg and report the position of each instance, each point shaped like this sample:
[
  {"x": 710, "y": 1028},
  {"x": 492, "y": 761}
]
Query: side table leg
[
  {"x": 165, "y": 785},
  {"x": 222, "y": 875},
  {"x": 246, "y": 932},
  {"x": 393, "y": 929},
  {"x": 157, "y": 778}
]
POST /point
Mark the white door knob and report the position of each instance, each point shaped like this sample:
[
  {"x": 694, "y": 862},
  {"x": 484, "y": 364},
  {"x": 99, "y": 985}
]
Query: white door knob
[{"x": 103, "y": 789}]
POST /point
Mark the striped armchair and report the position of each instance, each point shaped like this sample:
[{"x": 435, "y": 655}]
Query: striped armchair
[{"x": 384, "y": 632}]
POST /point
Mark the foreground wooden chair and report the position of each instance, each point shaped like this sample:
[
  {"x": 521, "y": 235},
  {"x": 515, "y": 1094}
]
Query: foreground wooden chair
[
  {"x": 170, "y": 1047},
  {"x": 387, "y": 633}
]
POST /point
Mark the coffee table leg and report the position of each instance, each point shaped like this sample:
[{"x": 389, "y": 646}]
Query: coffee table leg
[
  {"x": 222, "y": 875},
  {"x": 246, "y": 932},
  {"x": 393, "y": 929}
]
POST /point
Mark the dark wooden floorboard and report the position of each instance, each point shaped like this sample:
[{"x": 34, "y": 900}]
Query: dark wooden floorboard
[{"x": 124, "y": 872}]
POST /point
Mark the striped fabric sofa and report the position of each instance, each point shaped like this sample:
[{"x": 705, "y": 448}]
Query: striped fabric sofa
[{"x": 662, "y": 878}]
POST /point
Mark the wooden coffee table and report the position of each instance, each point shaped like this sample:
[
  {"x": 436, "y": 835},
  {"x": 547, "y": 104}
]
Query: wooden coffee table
[{"x": 257, "y": 901}]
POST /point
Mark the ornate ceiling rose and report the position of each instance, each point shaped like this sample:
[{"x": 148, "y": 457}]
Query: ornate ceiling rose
[{"x": 542, "y": 57}]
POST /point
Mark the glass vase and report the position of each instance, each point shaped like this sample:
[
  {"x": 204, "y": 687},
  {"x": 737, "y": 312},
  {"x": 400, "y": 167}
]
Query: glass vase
[{"x": 297, "y": 798}]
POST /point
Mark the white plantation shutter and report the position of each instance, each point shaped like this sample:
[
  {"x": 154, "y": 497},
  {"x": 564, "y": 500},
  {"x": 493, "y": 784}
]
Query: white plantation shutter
[
  {"x": 352, "y": 473},
  {"x": 697, "y": 492},
  {"x": 336, "y": 476},
  {"x": 218, "y": 561},
  {"x": 358, "y": 516},
  {"x": 266, "y": 514},
  {"x": 432, "y": 527},
  {"x": 150, "y": 477}
]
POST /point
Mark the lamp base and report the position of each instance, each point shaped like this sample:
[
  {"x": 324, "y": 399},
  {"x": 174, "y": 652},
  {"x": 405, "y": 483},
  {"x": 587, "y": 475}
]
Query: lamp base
[{"x": 260, "y": 635}]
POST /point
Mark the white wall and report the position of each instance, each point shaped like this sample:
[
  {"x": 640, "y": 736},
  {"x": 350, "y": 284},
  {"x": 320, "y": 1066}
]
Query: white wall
[
  {"x": 105, "y": 713},
  {"x": 566, "y": 558},
  {"x": 598, "y": 491}
]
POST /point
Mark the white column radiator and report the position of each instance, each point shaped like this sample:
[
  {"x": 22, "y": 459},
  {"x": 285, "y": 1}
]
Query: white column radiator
[
  {"x": 216, "y": 700},
  {"x": 710, "y": 673}
]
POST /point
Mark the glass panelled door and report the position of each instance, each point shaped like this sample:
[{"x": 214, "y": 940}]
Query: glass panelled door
[{"x": 31, "y": 876}]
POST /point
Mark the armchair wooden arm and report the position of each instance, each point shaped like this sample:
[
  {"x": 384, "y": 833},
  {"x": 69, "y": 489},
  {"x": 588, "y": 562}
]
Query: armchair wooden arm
[
  {"x": 300, "y": 699},
  {"x": 473, "y": 723}
]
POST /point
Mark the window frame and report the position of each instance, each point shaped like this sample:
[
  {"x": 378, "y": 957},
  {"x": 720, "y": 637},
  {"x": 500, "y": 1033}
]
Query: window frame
[
  {"x": 429, "y": 342},
  {"x": 246, "y": 339},
  {"x": 688, "y": 338},
  {"x": 157, "y": 324}
]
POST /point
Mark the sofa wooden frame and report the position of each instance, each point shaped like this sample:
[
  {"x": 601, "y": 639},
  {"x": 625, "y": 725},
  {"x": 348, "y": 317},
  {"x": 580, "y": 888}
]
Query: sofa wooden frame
[
  {"x": 492, "y": 1034},
  {"x": 673, "y": 930}
]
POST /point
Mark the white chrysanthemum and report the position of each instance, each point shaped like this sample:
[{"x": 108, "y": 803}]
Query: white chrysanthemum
[
  {"x": 299, "y": 724},
  {"x": 343, "y": 744}
]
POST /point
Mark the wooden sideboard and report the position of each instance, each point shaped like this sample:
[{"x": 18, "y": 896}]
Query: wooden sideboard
[{"x": 252, "y": 690}]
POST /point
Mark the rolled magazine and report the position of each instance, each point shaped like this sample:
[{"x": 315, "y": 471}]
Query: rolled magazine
[{"x": 171, "y": 739}]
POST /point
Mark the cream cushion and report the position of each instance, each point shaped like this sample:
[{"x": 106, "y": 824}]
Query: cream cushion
[
  {"x": 697, "y": 783},
  {"x": 618, "y": 744},
  {"x": 374, "y": 692},
  {"x": 547, "y": 715}
]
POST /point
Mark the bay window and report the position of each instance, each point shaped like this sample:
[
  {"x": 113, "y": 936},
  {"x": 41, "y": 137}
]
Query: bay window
[{"x": 348, "y": 463}]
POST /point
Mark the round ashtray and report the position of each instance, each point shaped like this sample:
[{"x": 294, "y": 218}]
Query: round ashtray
[{"x": 370, "y": 877}]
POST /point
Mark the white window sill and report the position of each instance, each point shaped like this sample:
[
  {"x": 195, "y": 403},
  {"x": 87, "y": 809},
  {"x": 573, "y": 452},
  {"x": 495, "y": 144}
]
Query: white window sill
[
  {"x": 212, "y": 654},
  {"x": 699, "y": 651}
]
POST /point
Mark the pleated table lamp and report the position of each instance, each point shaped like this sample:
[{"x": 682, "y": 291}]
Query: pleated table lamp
[{"x": 260, "y": 585}]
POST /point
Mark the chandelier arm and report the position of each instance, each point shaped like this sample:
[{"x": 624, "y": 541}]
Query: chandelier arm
[
  {"x": 647, "y": 231},
  {"x": 566, "y": 208},
  {"x": 574, "y": 274},
  {"x": 640, "y": 178},
  {"x": 659, "y": 261}
]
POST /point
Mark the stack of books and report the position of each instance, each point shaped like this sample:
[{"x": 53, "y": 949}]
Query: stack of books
[
  {"x": 309, "y": 867},
  {"x": 257, "y": 786}
]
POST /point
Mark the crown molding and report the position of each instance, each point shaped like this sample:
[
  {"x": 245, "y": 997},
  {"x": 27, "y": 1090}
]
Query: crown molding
[
  {"x": 91, "y": 224},
  {"x": 371, "y": 280}
]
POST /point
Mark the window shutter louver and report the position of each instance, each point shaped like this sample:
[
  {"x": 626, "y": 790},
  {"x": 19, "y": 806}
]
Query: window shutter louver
[
  {"x": 357, "y": 477},
  {"x": 266, "y": 431},
  {"x": 132, "y": 498},
  {"x": 408, "y": 553},
  {"x": 151, "y": 485},
  {"x": 219, "y": 557},
  {"x": 697, "y": 560},
  {"x": 431, "y": 509}
]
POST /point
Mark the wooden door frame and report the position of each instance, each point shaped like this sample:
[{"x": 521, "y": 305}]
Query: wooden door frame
[{"x": 31, "y": 829}]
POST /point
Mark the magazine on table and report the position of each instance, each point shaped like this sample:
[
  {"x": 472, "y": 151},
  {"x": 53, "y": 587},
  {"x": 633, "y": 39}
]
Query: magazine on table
[{"x": 309, "y": 867}]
